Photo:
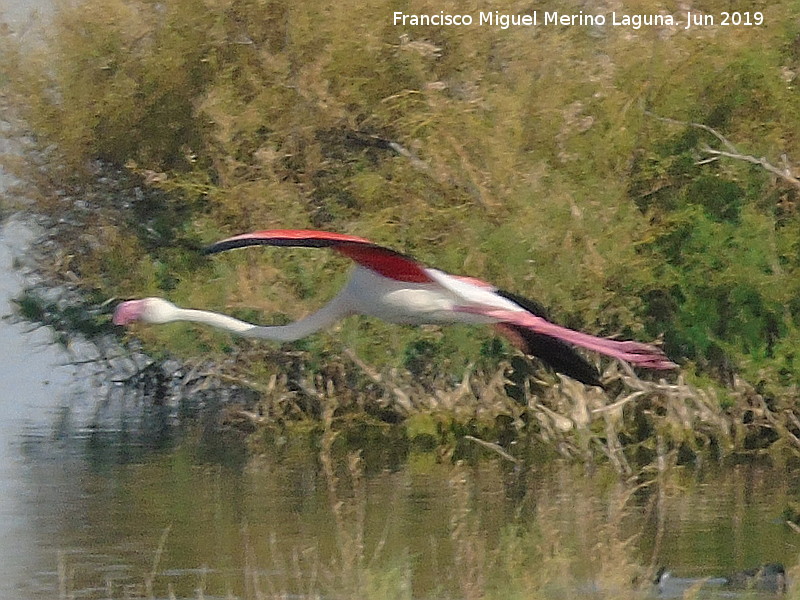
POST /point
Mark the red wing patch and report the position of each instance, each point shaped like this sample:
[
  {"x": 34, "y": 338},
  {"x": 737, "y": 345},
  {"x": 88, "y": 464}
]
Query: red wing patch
[{"x": 385, "y": 261}]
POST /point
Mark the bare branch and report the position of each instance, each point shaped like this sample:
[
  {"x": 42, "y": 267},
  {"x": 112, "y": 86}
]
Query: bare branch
[
  {"x": 493, "y": 447},
  {"x": 710, "y": 130},
  {"x": 732, "y": 152},
  {"x": 784, "y": 174},
  {"x": 416, "y": 162}
]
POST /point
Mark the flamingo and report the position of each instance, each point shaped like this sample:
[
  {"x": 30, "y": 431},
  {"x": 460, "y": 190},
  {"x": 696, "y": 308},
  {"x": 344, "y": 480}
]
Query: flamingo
[{"x": 396, "y": 288}]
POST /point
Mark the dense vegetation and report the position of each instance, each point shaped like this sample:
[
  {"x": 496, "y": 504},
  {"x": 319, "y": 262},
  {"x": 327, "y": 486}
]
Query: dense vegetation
[{"x": 572, "y": 164}]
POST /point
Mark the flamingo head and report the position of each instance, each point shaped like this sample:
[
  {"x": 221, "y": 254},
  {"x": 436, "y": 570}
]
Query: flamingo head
[{"x": 147, "y": 310}]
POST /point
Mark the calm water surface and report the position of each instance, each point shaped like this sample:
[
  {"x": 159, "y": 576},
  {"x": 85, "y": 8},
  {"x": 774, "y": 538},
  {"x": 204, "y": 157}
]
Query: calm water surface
[{"x": 281, "y": 520}]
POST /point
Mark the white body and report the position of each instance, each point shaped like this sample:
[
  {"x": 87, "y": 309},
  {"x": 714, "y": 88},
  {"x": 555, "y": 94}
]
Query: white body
[{"x": 404, "y": 303}]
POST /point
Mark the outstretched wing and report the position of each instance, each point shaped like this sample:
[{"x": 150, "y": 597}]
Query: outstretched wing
[{"x": 382, "y": 260}]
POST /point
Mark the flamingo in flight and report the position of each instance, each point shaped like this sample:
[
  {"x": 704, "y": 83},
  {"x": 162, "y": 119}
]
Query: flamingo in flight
[{"x": 396, "y": 288}]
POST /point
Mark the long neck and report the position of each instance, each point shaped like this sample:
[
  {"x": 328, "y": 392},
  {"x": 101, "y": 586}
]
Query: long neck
[{"x": 335, "y": 310}]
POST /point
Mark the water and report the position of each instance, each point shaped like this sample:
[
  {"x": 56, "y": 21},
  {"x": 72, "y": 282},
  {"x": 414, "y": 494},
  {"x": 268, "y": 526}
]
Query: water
[
  {"x": 37, "y": 381},
  {"x": 34, "y": 384},
  {"x": 106, "y": 516},
  {"x": 21, "y": 15},
  {"x": 283, "y": 526}
]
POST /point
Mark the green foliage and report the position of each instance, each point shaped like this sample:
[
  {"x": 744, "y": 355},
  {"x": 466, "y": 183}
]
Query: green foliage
[
  {"x": 33, "y": 307},
  {"x": 537, "y": 164},
  {"x": 727, "y": 279}
]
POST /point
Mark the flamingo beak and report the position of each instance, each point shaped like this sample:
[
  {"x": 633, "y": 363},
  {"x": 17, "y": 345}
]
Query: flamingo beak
[{"x": 128, "y": 312}]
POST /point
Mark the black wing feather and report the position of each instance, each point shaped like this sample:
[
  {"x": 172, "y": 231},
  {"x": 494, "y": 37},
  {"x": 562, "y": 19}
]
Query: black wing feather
[
  {"x": 558, "y": 355},
  {"x": 232, "y": 244}
]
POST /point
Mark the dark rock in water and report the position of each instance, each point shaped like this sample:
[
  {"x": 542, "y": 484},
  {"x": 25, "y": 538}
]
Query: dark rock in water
[{"x": 770, "y": 577}]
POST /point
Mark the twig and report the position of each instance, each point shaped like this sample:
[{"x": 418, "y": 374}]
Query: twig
[
  {"x": 415, "y": 161},
  {"x": 400, "y": 396},
  {"x": 618, "y": 403},
  {"x": 366, "y": 139},
  {"x": 710, "y": 130},
  {"x": 784, "y": 174},
  {"x": 479, "y": 191},
  {"x": 156, "y": 560},
  {"x": 242, "y": 381},
  {"x": 732, "y": 151},
  {"x": 792, "y": 526},
  {"x": 493, "y": 447},
  {"x": 90, "y": 361}
]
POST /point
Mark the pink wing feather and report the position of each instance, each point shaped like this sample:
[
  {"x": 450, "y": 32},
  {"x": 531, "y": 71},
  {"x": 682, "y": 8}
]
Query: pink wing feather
[{"x": 636, "y": 353}]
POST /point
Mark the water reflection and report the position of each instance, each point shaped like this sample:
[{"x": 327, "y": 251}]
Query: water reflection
[
  {"x": 730, "y": 519},
  {"x": 123, "y": 510},
  {"x": 768, "y": 580},
  {"x": 281, "y": 525}
]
